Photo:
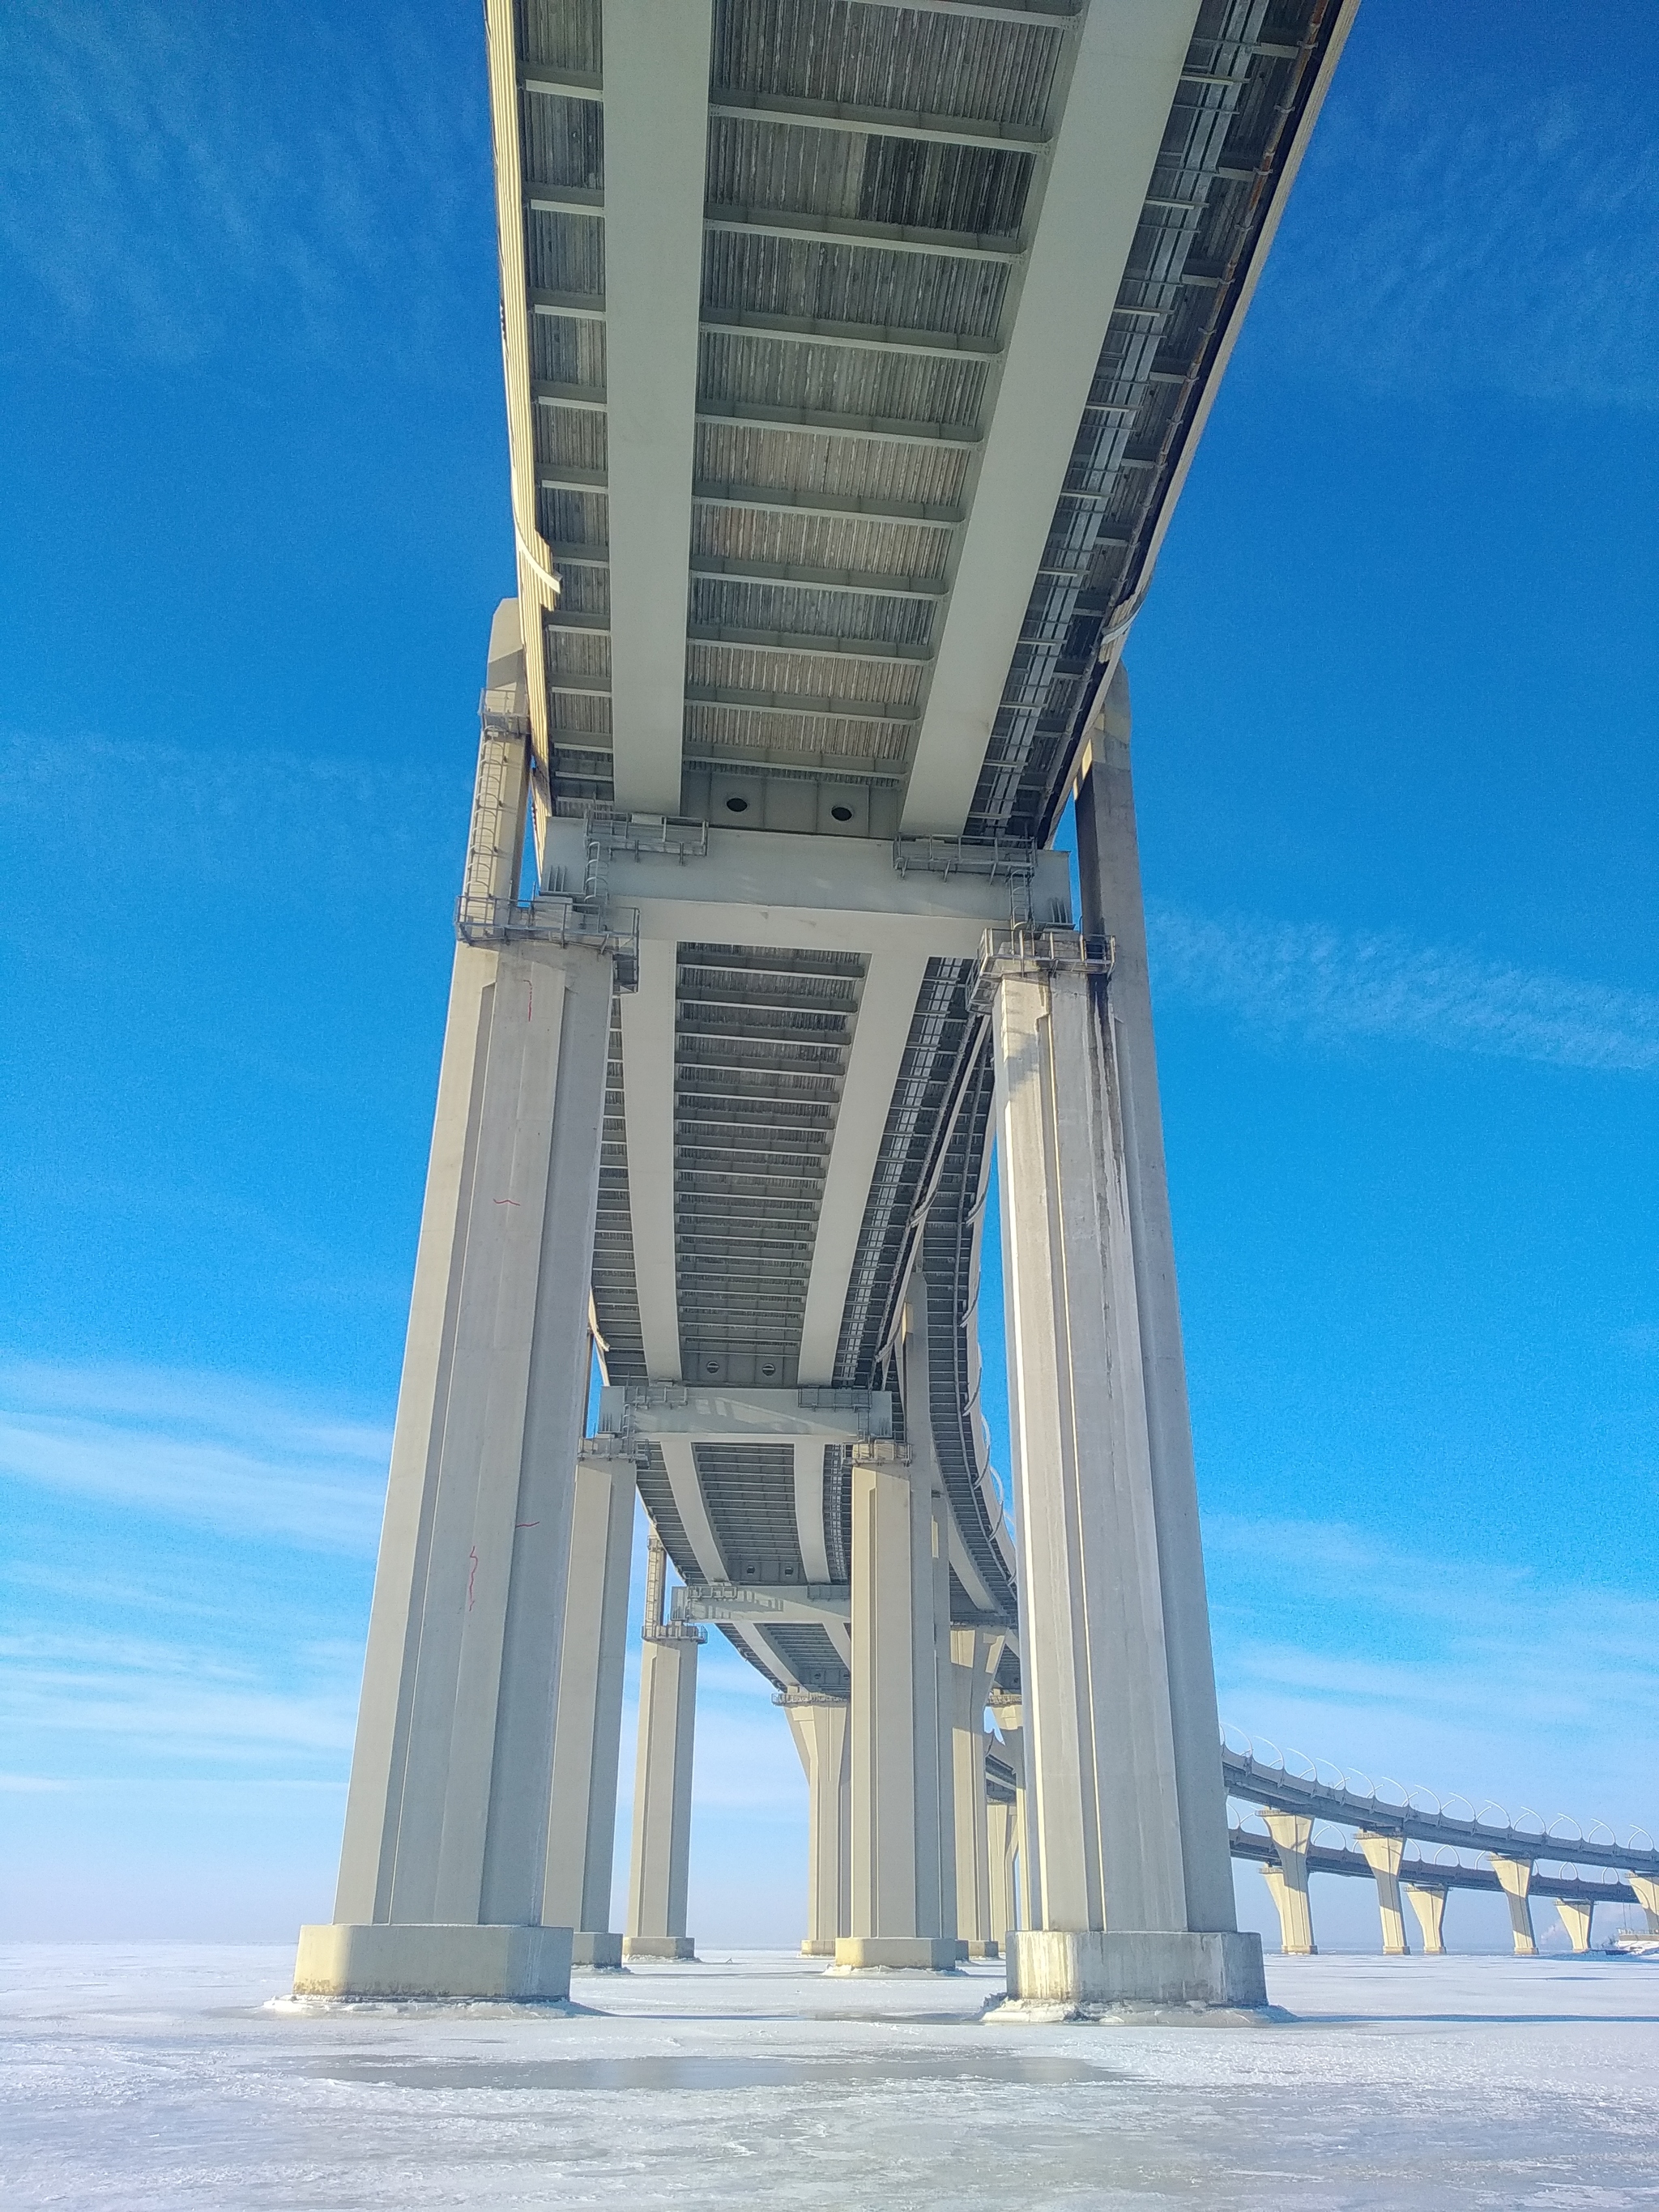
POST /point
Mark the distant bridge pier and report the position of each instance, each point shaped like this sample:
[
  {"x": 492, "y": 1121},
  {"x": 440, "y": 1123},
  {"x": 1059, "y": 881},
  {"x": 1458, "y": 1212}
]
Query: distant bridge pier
[
  {"x": 1577, "y": 1916},
  {"x": 444, "y": 1860},
  {"x": 1515, "y": 1880},
  {"x": 902, "y": 1790},
  {"x": 999, "y": 1843},
  {"x": 974, "y": 1655},
  {"x": 818, "y": 1723},
  {"x": 1428, "y": 1902},
  {"x": 1008, "y": 1711},
  {"x": 660, "y": 1860},
  {"x": 1384, "y": 1855},
  {"x": 1127, "y": 1876},
  {"x": 581, "y": 1826},
  {"x": 1288, "y": 1882},
  {"x": 1646, "y": 1887}
]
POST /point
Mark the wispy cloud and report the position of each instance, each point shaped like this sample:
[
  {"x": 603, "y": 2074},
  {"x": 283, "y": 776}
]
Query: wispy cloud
[
  {"x": 1459, "y": 235},
  {"x": 161, "y": 1701},
  {"x": 243, "y": 1458},
  {"x": 171, "y": 186},
  {"x": 1307, "y": 980},
  {"x": 1472, "y": 1677}
]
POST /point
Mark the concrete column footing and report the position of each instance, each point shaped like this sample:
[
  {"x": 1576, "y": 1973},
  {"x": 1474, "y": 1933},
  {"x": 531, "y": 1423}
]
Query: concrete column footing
[
  {"x": 1081, "y": 1971},
  {"x": 886, "y": 1954},
  {"x": 683, "y": 1947},
  {"x": 811, "y": 1950},
  {"x": 985, "y": 1950},
  {"x": 402, "y": 1960},
  {"x": 595, "y": 1951}
]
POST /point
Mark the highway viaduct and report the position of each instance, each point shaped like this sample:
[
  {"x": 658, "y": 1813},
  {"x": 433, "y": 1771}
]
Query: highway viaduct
[{"x": 856, "y": 354}]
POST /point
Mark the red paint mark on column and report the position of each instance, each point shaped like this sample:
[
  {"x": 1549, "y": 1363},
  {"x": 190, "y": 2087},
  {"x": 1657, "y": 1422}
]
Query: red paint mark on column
[
  {"x": 507, "y": 1202},
  {"x": 471, "y": 1577},
  {"x": 526, "y": 1524}
]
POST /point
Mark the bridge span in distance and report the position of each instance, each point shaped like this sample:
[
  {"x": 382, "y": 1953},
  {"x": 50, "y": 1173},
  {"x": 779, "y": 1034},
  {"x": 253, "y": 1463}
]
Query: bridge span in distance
[{"x": 855, "y": 355}]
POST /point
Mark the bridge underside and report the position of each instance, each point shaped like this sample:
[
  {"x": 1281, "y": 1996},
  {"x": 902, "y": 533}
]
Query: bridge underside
[
  {"x": 854, "y": 353},
  {"x": 857, "y": 353}
]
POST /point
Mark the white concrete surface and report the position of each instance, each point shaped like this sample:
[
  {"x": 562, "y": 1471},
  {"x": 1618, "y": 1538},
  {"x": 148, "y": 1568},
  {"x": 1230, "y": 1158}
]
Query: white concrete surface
[{"x": 141, "y": 2077}]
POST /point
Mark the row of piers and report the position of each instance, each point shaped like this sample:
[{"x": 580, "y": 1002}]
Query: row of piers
[{"x": 1425, "y": 1888}]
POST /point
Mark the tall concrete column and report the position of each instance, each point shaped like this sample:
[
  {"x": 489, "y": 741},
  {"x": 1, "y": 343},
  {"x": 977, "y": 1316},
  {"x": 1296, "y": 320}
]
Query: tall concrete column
[
  {"x": 1577, "y": 1915},
  {"x": 1109, "y": 866},
  {"x": 1000, "y": 1846},
  {"x": 1646, "y": 1888},
  {"x": 1428, "y": 1902},
  {"x": 1515, "y": 1880},
  {"x": 1127, "y": 1867},
  {"x": 974, "y": 1655},
  {"x": 1008, "y": 1712},
  {"x": 1292, "y": 1833},
  {"x": 445, "y": 1850},
  {"x": 1384, "y": 1855},
  {"x": 581, "y": 1827},
  {"x": 818, "y": 1725},
  {"x": 902, "y": 1854},
  {"x": 661, "y": 1860}
]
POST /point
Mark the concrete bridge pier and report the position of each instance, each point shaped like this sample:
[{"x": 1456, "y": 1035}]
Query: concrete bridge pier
[
  {"x": 581, "y": 1826},
  {"x": 1127, "y": 1872},
  {"x": 661, "y": 1857},
  {"x": 445, "y": 1852},
  {"x": 1646, "y": 1887},
  {"x": 1428, "y": 1902},
  {"x": 1384, "y": 1855},
  {"x": 818, "y": 1725},
  {"x": 1577, "y": 1915},
  {"x": 1292, "y": 1833},
  {"x": 901, "y": 1788},
  {"x": 999, "y": 1842},
  {"x": 973, "y": 1654},
  {"x": 1515, "y": 1880}
]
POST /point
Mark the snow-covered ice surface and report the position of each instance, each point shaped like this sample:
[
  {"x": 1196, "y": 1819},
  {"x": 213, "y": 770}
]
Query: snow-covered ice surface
[{"x": 159, "y": 2076}]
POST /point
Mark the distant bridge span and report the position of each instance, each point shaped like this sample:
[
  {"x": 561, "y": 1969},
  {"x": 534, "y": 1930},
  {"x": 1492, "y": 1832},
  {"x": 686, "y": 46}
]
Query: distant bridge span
[{"x": 855, "y": 355}]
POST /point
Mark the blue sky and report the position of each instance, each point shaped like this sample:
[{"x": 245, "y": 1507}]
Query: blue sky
[{"x": 1394, "y": 696}]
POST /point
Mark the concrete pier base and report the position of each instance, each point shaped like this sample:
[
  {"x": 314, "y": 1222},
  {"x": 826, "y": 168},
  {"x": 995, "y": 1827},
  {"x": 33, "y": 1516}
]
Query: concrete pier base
[
  {"x": 596, "y": 1950},
  {"x": 886, "y": 1954},
  {"x": 1061, "y": 1974},
  {"x": 1577, "y": 1914},
  {"x": 401, "y": 1959},
  {"x": 660, "y": 1947}
]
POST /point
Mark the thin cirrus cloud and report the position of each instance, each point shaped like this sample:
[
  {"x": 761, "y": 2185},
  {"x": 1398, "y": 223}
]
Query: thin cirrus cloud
[
  {"x": 167, "y": 177},
  {"x": 1470, "y": 1677},
  {"x": 241, "y": 1458},
  {"x": 1307, "y": 981},
  {"x": 1485, "y": 232}
]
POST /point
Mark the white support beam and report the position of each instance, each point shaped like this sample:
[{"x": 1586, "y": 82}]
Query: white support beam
[
  {"x": 656, "y": 127},
  {"x": 809, "y": 1510},
  {"x": 891, "y": 986},
  {"x": 690, "y": 1504},
  {"x": 647, "y": 1028},
  {"x": 1128, "y": 65},
  {"x": 817, "y": 893}
]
